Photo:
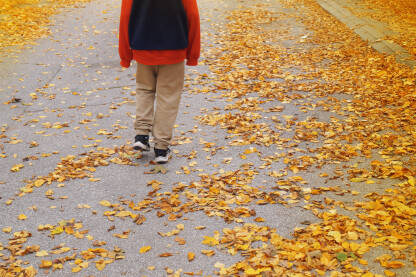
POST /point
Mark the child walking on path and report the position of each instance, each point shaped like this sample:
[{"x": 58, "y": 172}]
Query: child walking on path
[{"x": 159, "y": 35}]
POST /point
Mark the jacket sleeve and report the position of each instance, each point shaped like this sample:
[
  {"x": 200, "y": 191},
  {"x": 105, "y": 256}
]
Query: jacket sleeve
[
  {"x": 124, "y": 50},
  {"x": 194, "y": 36}
]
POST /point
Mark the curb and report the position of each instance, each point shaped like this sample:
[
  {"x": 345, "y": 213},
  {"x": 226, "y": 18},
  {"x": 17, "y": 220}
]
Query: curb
[{"x": 369, "y": 31}]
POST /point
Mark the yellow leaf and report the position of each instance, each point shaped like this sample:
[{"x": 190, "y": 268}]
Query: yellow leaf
[
  {"x": 357, "y": 180},
  {"x": 7, "y": 229},
  {"x": 39, "y": 182},
  {"x": 394, "y": 264},
  {"x": 180, "y": 241},
  {"x": 45, "y": 264},
  {"x": 398, "y": 247},
  {"x": 57, "y": 230},
  {"x": 69, "y": 230},
  {"x": 251, "y": 271},
  {"x": 109, "y": 213},
  {"x": 21, "y": 217},
  {"x": 124, "y": 214},
  {"x": 41, "y": 253},
  {"x": 76, "y": 269},
  {"x": 191, "y": 256},
  {"x": 105, "y": 203},
  {"x": 336, "y": 235},
  {"x": 352, "y": 236},
  {"x": 294, "y": 169},
  {"x": 250, "y": 150},
  {"x": 210, "y": 241},
  {"x": 219, "y": 265},
  {"x": 100, "y": 265},
  {"x": 326, "y": 259},
  {"x": 17, "y": 167},
  {"x": 121, "y": 236},
  {"x": 209, "y": 253},
  {"x": 30, "y": 271},
  {"x": 389, "y": 273},
  {"x": 144, "y": 249}
]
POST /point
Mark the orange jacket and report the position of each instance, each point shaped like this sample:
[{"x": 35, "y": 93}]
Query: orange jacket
[{"x": 158, "y": 57}]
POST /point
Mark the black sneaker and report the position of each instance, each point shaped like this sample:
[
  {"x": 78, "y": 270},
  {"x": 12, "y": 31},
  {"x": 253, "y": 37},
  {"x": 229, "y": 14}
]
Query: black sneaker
[
  {"x": 141, "y": 142},
  {"x": 162, "y": 155}
]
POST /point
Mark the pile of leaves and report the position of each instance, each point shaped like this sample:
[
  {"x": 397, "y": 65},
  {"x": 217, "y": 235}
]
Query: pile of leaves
[
  {"x": 399, "y": 15},
  {"x": 23, "y": 21},
  {"x": 12, "y": 265}
]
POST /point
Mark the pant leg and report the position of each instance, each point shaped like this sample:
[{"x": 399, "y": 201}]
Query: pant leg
[
  {"x": 145, "y": 98},
  {"x": 169, "y": 87}
]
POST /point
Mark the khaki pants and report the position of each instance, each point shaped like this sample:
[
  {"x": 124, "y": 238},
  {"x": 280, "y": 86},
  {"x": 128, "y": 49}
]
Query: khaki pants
[{"x": 163, "y": 83}]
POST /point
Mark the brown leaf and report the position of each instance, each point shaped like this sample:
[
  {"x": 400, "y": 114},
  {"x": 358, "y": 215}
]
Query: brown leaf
[
  {"x": 166, "y": 254},
  {"x": 157, "y": 169},
  {"x": 112, "y": 227},
  {"x": 140, "y": 219}
]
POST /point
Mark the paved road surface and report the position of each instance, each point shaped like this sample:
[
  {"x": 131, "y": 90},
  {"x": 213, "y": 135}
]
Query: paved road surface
[{"x": 75, "y": 98}]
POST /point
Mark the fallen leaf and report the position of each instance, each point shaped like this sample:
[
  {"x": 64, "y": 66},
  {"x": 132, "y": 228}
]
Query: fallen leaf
[
  {"x": 7, "y": 229},
  {"x": 191, "y": 256},
  {"x": 180, "y": 241},
  {"x": 144, "y": 249},
  {"x": 157, "y": 169},
  {"x": 21, "y": 217},
  {"x": 166, "y": 254},
  {"x": 389, "y": 273},
  {"x": 45, "y": 264},
  {"x": 341, "y": 256},
  {"x": 209, "y": 253},
  {"x": 105, "y": 203},
  {"x": 16, "y": 167},
  {"x": 140, "y": 219}
]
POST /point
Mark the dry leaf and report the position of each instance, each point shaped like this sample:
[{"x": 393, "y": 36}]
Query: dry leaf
[
  {"x": 191, "y": 256},
  {"x": 42, "y": 253},
  {"x": 166, "y": 254},
  {"x": 144, "y": 249}
]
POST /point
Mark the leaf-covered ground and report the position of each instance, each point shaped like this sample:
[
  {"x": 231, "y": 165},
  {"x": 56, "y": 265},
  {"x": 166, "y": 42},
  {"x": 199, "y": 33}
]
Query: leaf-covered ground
[
  {"x": 294, "y": 154},
  {"x": 23, "y": 21},
  {"x": 399, "y": 15}
]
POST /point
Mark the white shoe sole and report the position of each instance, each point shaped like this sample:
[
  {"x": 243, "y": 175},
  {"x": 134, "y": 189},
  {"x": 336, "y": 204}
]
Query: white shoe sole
[
  {"x": 140, "y": 146},
  {"x": 162, "y": 160}
]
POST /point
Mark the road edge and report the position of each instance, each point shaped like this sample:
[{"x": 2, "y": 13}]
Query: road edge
[{"x": 374, "y": 36}]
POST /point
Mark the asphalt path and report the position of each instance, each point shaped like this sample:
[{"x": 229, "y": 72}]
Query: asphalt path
[{"x": 74, "y": 98}]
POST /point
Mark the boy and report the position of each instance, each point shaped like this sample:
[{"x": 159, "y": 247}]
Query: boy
[{"x": 159, "y": 35}]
